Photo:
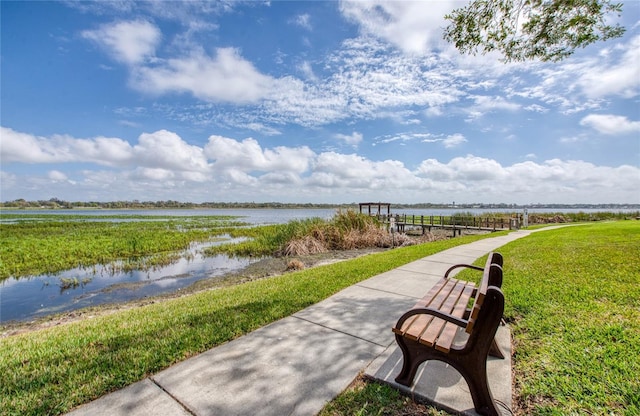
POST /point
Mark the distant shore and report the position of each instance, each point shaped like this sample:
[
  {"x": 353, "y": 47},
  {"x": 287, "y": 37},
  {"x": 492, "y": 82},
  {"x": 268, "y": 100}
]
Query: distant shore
[{"x": 55, "y": 203}]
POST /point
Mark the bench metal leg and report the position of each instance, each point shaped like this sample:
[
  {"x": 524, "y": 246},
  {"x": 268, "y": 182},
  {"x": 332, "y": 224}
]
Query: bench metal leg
[
  {"x": 495, "y": 350},
  {"x": 471, "y": 366},
  {"x": 474, "y": 372},
  {"x": 411, "y": 360}
]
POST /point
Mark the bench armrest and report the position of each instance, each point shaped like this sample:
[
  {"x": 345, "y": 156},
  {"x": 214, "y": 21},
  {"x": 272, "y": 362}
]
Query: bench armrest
[
  {"x": 433, "y": 312},
  {"x": 469, "y": 266}
]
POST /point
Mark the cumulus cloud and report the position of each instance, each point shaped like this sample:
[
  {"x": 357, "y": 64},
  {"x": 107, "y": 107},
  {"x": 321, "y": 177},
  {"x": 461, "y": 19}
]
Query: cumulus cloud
[
  {"x": 161, "y": 165},
  {"x": 248, "y": 156},
  {"x": 553, "y": 181},
  {"x": 454, "y": 140},
  {"x": 225, "y": 77},
  {"x": 411, "y": 26},
  {"x": 130, "y": 42},
  {"x": 610, "y": 124},
  {"x": 167, "y": 150},
  {"x": 57, "y": 176},
  {"x": 336, "y": 170},
  {"x": 27, "y": 148}
]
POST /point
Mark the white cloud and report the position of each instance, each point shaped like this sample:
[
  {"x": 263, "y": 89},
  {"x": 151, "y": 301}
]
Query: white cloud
[
  {"x": 166, "y": 150},
  {"x": 266, "y": 130},
  {"x": 57, "y": 176},
  {"x": 572, "y": 139},
  {"x": 248, "y": 156},
  {"x": 413, "y": 26},
  {"x": 610, "y": 124},
  {"x": 553, "y": 181},
  {"x": 226, "y": 77},
  {"x": 469, "y": 168},
  {"x": 307, "y": 71},
  {"x": 27, "y": 148},
  {"x": 614, "y": 78},
  {"x": 486, "y": 104},
  {"x": 154, "y": 174},
  {"x": 454, "y": 140},
  {"x": 304, "y": 21},
  {"x": 131, "y": 42},
  {"x": 352, "y": 171},
  {"x": 163, "y": 166},
  {"x": 353, "y": 139}
]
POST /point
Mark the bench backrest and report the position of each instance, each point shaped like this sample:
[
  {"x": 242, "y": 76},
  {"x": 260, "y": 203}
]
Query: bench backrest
[{"x": 491, "y": 276}]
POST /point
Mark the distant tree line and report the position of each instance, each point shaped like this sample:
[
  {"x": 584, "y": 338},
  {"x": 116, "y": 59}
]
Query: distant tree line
[{"x": 55, "y": 203}]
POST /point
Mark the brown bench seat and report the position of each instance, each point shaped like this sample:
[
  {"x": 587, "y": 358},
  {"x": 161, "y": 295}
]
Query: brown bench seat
[{"x": 431, "y": 330}]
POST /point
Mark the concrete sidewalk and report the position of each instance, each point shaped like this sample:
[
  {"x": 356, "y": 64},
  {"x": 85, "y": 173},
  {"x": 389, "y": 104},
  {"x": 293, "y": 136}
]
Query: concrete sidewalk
[{"x": 296, "y": 365}]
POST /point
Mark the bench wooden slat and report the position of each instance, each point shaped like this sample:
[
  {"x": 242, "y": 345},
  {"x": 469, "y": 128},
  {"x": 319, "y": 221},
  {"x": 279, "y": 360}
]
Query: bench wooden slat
[
  {"x": 431, "y": 333},
  {"x": 443, "y": 295},
  {"x": 414, "y": 327},
  {"x": 417, "y": 327},
  {"x": 430, "y": 336},
  {"x": 492, "y": 269},
  {"x": 450, "y": 330},
  {"x": 431, "y": 294},
  {"x": 421, "y": 303},
  {"x": 446, "y": 337}
]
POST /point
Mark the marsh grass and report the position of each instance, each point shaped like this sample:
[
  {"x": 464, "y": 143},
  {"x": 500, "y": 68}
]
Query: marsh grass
[
  {"x": 53, "y": 243},
  {"x": 347, "y": 230},
  {"x": 51, "y": 371}
]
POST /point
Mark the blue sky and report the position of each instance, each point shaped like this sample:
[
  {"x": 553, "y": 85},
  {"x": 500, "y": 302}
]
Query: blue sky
[{"x": 304, "y": 101}]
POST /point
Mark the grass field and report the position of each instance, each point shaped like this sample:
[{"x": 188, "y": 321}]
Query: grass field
[
  {"x": 573, "y": 301},
  {"x": 573, "y": 304},
  {"x": 53, "y": 370}
]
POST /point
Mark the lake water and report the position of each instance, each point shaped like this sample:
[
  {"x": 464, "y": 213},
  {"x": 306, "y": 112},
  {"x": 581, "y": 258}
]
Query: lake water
[
  {"x": 30, "y": 297},
  {"x": 35, "y": 296}
]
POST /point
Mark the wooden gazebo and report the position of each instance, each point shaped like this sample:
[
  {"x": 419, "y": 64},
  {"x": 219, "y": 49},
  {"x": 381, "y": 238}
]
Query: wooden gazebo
[{"x": 380, "y": 205}]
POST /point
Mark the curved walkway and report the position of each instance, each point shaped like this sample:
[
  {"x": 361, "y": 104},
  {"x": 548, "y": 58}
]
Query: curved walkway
[{"x": 296, "y": 365}]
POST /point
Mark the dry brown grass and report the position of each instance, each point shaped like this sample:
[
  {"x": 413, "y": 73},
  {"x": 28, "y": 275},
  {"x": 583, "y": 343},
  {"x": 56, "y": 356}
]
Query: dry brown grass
[
  {"x": 326, "y": 239},
  {"x": 295, "y": 264},
  {"x": 349, "y": 231},
  {"x": 304, "y": 246}
]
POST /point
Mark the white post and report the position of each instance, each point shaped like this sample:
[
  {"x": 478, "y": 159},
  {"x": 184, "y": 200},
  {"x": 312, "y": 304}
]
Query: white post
[{"x": 392, "y": 228}]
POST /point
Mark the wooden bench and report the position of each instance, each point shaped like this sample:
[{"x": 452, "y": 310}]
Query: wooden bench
[{"x": 429, "y": 329}]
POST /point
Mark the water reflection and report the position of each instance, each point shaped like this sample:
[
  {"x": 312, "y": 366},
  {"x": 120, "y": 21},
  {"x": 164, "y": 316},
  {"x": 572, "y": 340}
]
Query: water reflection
[{"x": 27, "y": 298}]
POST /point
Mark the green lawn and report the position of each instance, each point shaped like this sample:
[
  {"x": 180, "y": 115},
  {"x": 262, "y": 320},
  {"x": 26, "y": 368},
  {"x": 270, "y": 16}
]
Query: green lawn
[
  {"x": 573, "y": 304},
  {"x": 573, "y": 301},
  {"x": 53, "y": 370}
]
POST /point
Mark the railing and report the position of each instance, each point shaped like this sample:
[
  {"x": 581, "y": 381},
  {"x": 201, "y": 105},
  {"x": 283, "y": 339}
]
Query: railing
[{"x": 451, "y": 222}]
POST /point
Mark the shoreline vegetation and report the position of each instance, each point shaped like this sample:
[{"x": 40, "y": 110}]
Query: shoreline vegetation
[{"x": 54, "y": 365}]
